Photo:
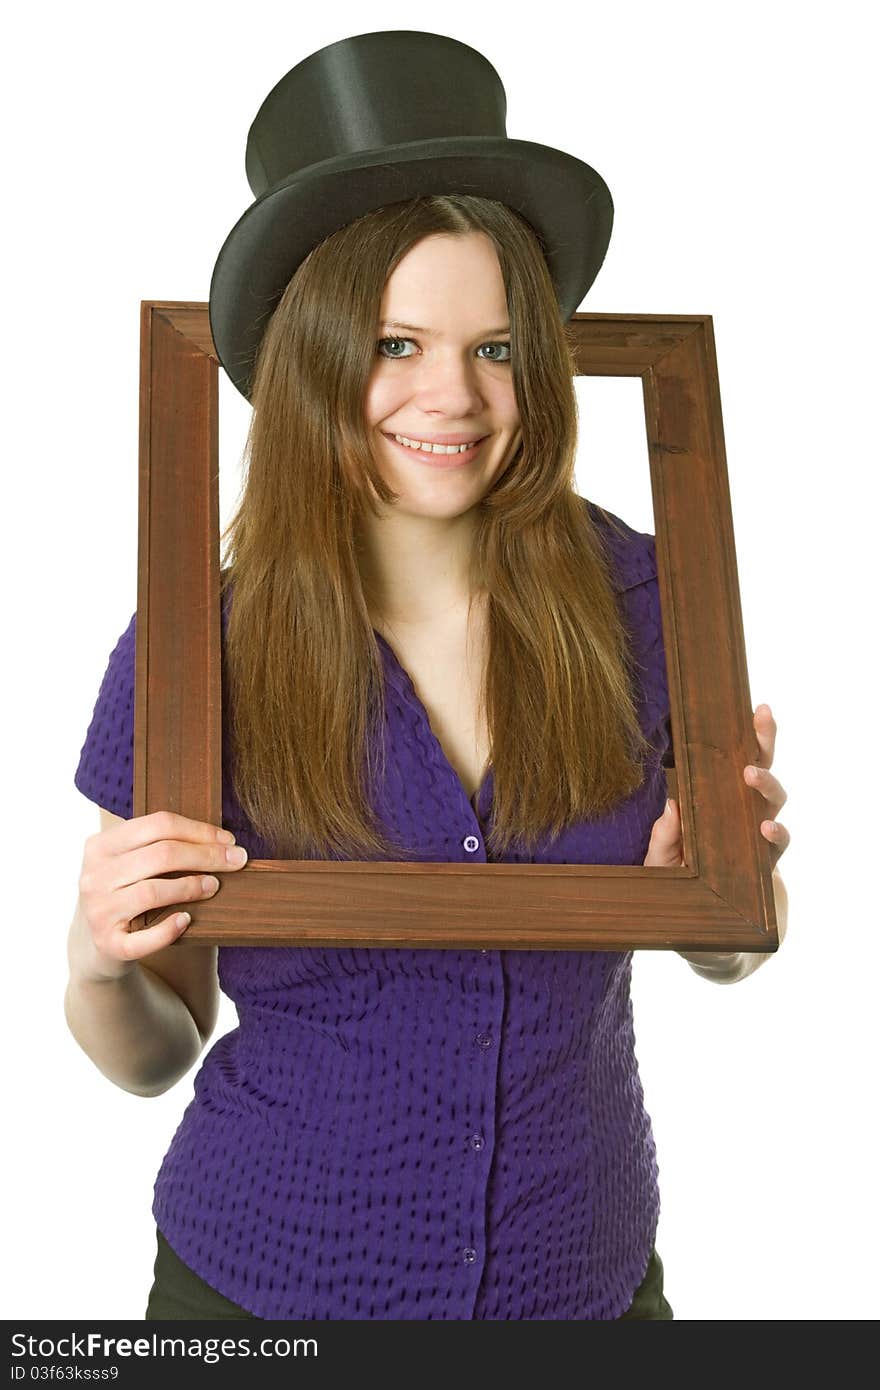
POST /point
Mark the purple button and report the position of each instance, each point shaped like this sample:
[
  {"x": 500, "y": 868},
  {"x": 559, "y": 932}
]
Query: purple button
[
  {"x": 471, "y": 843},
  {"x": 477, "y": 1141},
  {"x": 469, "y": 1255},
  {"x": 484, "y": 1040}
]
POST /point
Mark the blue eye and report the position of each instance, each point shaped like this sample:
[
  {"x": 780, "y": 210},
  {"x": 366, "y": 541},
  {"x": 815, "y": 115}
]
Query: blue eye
[
  {"x": 383, "y": 341},
  {"x": 505, "y": 347}
]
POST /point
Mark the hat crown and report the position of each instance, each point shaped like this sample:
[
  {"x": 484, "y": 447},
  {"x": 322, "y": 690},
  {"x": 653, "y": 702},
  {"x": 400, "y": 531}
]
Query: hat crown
[{"x": 369, "y": 91}]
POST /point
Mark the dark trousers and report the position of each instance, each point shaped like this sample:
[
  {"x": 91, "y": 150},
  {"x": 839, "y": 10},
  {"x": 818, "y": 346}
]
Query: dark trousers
[{"x": 178, "y": 1293}]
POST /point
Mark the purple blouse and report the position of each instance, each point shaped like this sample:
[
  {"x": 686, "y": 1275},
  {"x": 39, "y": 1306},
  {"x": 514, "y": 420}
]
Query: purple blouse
[{"x": 422, "y": 1133}]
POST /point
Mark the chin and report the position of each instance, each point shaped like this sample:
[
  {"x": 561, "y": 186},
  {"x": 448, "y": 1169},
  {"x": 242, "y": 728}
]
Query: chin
[{"x": 437, "y": 508}]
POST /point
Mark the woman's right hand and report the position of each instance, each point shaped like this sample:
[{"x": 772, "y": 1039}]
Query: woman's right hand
[{"x": 119, "y": 881}]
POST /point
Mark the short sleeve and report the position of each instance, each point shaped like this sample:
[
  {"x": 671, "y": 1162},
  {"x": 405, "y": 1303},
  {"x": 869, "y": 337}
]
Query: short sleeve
[
  {"x": 642, "y": 604},
  {"x": 105, "y": 773},
  {"x": 633, "y": 563}
]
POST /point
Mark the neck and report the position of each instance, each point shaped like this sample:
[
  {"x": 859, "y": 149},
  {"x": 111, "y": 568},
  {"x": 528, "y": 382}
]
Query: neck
[{"x": 416, "y": 570}]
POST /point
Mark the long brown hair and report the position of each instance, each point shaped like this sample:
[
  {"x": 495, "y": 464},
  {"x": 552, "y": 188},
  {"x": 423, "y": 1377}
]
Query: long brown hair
[{"x": 305, "y": 673}]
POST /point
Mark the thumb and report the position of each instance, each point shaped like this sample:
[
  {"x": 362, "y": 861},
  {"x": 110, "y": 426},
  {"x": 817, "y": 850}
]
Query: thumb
[{"x": 665, "y": 847}]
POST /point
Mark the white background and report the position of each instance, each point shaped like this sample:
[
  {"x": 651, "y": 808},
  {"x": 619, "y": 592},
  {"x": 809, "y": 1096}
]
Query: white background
[{"x": 736, "y": 143}]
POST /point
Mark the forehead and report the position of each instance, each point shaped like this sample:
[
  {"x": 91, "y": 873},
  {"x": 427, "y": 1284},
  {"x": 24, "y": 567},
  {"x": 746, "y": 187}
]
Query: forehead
[{"x": 446, "y": 279}]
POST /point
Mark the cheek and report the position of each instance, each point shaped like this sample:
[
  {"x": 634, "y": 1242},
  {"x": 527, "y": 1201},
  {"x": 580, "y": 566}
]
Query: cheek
[
  {"x": 504, "y": 406},
  {"x": 381, "y": 399}
]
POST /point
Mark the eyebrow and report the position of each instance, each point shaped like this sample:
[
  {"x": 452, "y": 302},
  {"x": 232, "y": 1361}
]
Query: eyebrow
[{"x": 414, "y": 328}]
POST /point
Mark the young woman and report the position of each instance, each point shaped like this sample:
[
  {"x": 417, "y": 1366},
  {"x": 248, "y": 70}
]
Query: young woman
[{"x": 431, "y": 655}]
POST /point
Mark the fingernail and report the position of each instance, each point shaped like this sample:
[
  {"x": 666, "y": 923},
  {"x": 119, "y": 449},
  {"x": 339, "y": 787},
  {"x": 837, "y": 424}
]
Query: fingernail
[
  {"x": 668, "y": 807},
  {"x": 237, "y": 855},
  {"x": 226, "y": 837}
]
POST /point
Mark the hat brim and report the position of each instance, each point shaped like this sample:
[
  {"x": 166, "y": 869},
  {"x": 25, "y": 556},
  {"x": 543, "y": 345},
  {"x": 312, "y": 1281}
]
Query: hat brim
[{"x": 565, "y": 200}]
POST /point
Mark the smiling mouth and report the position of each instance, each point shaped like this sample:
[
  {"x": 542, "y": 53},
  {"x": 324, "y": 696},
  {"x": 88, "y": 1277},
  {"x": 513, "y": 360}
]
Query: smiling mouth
[{"x": 439, "y": 458}]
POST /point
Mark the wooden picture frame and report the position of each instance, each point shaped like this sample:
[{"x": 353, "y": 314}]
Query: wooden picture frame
[{"x": 721, "y": 899}]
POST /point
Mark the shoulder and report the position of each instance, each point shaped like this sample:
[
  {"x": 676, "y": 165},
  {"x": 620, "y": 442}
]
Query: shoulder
[
  {"x": 632, "y": 553},
  {"x": 104, "y": 770},
  {"x": 633, "y": 559}
]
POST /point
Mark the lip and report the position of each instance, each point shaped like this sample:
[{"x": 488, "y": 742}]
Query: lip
[{"x": 439, "y": 460}]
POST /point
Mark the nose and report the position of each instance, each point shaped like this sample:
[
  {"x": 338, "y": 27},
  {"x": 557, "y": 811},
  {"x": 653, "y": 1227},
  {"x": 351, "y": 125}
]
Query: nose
[{"x": 449, "y": 386}]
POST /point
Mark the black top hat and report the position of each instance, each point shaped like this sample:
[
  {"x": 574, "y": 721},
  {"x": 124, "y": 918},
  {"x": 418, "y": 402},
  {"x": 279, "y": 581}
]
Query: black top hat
[{"x": 375, "y": 119}]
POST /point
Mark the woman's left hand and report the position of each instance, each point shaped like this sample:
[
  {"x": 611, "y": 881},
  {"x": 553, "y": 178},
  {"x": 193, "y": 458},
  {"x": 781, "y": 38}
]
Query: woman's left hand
[{"x": 665, "y": 847}]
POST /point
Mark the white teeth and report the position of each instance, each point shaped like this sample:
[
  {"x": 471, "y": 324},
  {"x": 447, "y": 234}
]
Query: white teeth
[{"x": 433, "y": 448}]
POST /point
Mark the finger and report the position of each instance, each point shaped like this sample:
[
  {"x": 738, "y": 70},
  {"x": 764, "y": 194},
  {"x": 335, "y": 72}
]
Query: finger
[
  {"x": 136, "y": 944},
  {"x": 769, "y": 786},
  {"x": 147, "y": 896},
  {"x": 779, "y": 839},
  {"x": 765, "y": 729},
  {"x": 171, "y": 857},
  {"x": 664, "y": 848},
  {"x": 161, "y": 825}
]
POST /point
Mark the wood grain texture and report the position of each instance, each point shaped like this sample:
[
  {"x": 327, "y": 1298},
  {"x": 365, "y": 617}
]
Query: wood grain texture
[{"x": 720, "y": 900}]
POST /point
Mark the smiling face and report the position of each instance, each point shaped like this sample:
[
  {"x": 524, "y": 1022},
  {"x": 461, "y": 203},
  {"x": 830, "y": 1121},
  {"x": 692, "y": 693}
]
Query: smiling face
[{"x": 442, "y": 374}]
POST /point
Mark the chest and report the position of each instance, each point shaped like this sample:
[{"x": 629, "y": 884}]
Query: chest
[{"x": 446, "y": 666}]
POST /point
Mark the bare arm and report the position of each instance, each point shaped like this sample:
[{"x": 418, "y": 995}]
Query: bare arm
[
  {"x": 725, "y": 967},
  {"x": 729, "y": 967},
  {"x": 142, "y": 1009},
  {"x": 135, "y": 1028}
]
